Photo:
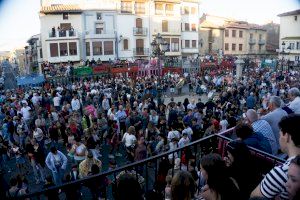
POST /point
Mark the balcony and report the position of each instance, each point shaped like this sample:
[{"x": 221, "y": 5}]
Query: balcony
[
  {"x": 140, "y": 51},
  {"x": 100, "y": 35},
  {"x": 261, "y": 42},
  {"x": 63, "y": 34},
  {"x": 252, "y": 41},
  {"x": 140, "y": 31}
]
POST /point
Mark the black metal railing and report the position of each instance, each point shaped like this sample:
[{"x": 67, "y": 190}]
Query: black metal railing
[
  {"x": 149, "y": 168},
  {"x": 140, "y": 31}
]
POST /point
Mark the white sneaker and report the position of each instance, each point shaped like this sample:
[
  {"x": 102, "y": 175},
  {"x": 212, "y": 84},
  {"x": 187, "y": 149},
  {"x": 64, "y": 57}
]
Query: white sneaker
[{"x": 111, "y": 156}]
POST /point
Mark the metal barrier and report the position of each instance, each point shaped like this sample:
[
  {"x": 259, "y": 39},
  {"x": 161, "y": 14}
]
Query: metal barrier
[{"x": 150, "y": 168}]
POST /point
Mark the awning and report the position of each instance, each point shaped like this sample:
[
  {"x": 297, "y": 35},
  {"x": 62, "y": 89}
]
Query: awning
[{"x": 30, "y": 80}]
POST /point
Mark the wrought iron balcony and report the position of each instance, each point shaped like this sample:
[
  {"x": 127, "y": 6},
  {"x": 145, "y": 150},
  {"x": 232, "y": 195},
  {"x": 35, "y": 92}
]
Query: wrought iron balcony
[
  {"x": 140, "y": 31},
  {"x": 62, "y": 33},
  {"x": 252, "y": 41},
  {"x": 140, "y": 51},
  {"x": 261, "y": 42}
]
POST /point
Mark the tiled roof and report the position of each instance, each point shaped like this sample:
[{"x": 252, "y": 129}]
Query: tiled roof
[
  {"x": 60, "y": 8},
  {"x": 208, "y": 24},
  {"x": 237, "y": 25},
  {"x": 294, "y": 12}
]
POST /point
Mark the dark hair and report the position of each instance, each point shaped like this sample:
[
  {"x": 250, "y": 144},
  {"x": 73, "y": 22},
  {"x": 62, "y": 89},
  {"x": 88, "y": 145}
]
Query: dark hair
[
  {"x": 218, "y": 179},
  {"x": 128, "y": 188},
  {"x": 291, "y": 125},
  {"x": 13, "y": 182},
  {"x": 243, "y": 131},
  {"x": 95, "y": 169},
  {"x": 183, "y": 186},
  {"x": 53, "y": 149},
  {"x": 296, "y": 160}
]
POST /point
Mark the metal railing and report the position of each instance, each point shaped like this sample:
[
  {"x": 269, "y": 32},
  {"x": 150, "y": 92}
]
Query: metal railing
[
  {"x": 261, "y": 41},
  {"x": 62, "y": 33},
  {"x": 252, "y": 41},
  {"x": 149, "y": 168},
  {"x": 140, "y": 51},
  {"x": 140, "y": 31}
]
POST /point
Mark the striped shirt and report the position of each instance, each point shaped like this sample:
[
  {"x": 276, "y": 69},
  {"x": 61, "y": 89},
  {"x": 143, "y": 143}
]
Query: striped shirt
[
  {"x": 263, "y": 127},
  {"x": 274, "y": 182}
]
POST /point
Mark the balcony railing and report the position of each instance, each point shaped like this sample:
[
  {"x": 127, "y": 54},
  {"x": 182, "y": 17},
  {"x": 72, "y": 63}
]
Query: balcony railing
[
  {"x": 148, "y": 169},
  {"x": 140, "y": 51},
  {"x": 62, "y": 33},
  {"x": 252, "y": 41},
  {"x": 261, "y": 42},
  {"x": 171, "y": 31},
  {"x": 140, "y": 31}
]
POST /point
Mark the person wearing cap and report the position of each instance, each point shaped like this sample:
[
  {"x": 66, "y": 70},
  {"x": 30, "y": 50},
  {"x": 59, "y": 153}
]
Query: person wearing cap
[{"x": 86, "y": 165}]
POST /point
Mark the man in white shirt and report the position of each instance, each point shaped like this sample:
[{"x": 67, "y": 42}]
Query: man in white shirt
[
  {"x": 25, "y": 112},
  {"x": 35, "y": 99},
  {"x": 294, "y": 95},
  {"x": 56, "y": 101},
  {"x": 192, "y": 105},
  {"x": 173, "y": 134},
  {"x": 75, "y": 103}
]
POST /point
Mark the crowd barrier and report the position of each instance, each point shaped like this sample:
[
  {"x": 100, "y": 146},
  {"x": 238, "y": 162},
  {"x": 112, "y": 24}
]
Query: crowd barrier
[{"x": 149, "y": 168}]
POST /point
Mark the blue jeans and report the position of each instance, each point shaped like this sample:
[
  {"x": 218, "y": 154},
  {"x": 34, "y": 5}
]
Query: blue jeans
[{"x": 58, "y": 176}]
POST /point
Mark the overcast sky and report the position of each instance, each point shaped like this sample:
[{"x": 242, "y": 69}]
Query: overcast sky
[{"x": 19, "y": 19}]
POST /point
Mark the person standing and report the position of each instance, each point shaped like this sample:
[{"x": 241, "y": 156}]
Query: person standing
[
  {"x": 56, "y": 161},
  {"x": 75, "y": 103}
]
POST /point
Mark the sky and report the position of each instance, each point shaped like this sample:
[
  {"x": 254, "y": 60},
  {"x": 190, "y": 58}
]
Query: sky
[{"x": 19, "y": 19}]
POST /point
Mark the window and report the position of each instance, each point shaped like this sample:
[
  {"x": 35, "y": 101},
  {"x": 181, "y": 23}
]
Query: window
[
  {"x": 73, "y": 48},
  {"x": 63, "y": 49},
  {"x": 108, "y": 48},
  {"x": 297, "y": 58},
  {"x": 193, "y": 10},
  {"x": 126, "y": 7},
  {"x": 251, "y": 35},
  {"x": 165, "y": 26},
  {"x": 187, "y": 27},
  {"x": 240, "y": 47},
  {"x": 295, "y": 18},
  {"x": 168, "y": 40},
  {"x": 97, "y": 48},
  {"x": 194, "y": 43},
  {"x": 194, "y": 28},
  {"x": 140, "y": 8},
  {"x": 292, "y": 46},
  {"x": 233, "y": 47},
  {"x": 41, "y": 53},
  {"x": 186, "y": 10},
  {"x": 226, "y": 46},
  {"x": 226, "y": 33},
  {"x": 99, "y": 16},
  {"x": 87, "y": 49},
  {"x": 53, "y": 49},
  {"x": 187, "y": 43},
  {"x": 259, "y": 47},
  {"x": 99, "y": 28},
  {"x": 139, "y": 23},
  {"x": 240, "y": 34},
  {"x": 260, "y": 36},
  {"x": 251, "y": 47},
  {"x": 233, "y": 33},
  {"x": 169, "y": 8},
  {"x": 175, "y": 44},
  {"x": 65, "y": 16},
  {"x": 125, "y": 44},
  {"x": 159, "y": 8},
  {"x": 298, "y": 45}
]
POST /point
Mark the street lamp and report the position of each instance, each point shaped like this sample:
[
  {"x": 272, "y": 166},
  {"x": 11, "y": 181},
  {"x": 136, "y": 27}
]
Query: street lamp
[{"x": 159, "y": 47}]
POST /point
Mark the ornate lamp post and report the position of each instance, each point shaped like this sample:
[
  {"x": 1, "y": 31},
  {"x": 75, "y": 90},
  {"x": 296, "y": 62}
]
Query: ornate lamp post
[{"x": 159, "y": 47}]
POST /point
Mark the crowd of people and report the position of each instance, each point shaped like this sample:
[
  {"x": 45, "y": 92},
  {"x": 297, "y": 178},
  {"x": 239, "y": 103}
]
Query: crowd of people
[{"x": 61, "y": 130}]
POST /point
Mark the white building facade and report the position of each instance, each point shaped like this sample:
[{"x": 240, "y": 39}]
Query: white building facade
[
  {"x": 76, "y": 30},
  {"x": 289, "y": 41}
]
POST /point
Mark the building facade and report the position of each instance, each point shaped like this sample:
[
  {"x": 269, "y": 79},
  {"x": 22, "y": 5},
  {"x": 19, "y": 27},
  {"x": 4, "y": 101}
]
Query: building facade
[
  {"x": 231, "y": 37},
  {"x": 289, "y": 43},
  {"x": 117, "y": 29},
  {"x": 33, "y": 55}
]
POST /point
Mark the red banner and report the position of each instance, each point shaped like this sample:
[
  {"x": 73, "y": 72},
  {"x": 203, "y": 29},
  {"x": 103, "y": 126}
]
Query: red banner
[
  {"x": 124, "y": 70},
  {"x": 177, "y": 70},
  {"x": 100, "y": 69}
]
